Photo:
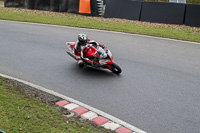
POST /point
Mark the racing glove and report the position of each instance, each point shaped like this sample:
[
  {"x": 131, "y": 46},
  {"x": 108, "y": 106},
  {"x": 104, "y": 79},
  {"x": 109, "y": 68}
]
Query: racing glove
[{"x": 102, "y": 45}]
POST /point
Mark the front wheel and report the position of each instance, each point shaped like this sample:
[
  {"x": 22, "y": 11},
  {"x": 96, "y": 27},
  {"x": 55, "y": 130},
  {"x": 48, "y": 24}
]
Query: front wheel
[{"x": 115, "y": 68}]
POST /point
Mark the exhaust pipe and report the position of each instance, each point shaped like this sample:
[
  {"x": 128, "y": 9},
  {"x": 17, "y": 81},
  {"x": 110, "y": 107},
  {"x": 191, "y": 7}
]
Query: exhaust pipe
[{"x": 72, "y": 55}]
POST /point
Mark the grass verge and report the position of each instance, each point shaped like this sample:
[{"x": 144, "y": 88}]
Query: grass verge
[
  {"x": 22, "y": 113},
  {"x": 179, "y": 32}
]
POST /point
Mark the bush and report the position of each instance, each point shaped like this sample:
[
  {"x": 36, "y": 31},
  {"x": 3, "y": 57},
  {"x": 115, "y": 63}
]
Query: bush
[{"x": 193, "y": 1}]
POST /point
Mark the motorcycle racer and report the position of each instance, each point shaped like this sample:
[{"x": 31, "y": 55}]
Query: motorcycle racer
[
  {"x": 93, "y": 54},
  {"x": 81, "y": 45}
]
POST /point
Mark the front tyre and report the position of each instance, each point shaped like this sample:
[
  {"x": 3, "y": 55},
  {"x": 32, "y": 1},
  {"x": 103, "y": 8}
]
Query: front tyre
[{"x": 115, "y": 68}]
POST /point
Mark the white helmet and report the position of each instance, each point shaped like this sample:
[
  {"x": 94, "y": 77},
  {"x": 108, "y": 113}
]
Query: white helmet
[{"x": 82, "y": 38}]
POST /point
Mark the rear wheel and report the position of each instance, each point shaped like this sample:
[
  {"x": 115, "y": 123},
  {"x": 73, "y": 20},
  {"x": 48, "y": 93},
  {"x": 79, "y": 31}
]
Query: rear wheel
[{"x": 115, "y": 68}]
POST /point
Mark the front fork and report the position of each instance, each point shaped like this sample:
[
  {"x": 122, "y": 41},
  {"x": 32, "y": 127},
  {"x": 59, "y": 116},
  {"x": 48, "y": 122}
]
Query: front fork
[{"x": 108, "y": 66}]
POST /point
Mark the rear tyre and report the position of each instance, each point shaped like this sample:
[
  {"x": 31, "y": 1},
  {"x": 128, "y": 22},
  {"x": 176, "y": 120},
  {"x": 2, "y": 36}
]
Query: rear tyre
[{"x": 115, "y": 68}]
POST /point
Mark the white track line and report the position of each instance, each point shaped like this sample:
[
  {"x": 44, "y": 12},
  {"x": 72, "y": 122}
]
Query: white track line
[
  {"x": 114, "y": 119},
  {"x": 100, "y": 31}
]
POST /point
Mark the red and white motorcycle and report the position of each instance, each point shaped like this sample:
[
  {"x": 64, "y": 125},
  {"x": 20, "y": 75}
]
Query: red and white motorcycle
[{"x": 103, "y": 58}]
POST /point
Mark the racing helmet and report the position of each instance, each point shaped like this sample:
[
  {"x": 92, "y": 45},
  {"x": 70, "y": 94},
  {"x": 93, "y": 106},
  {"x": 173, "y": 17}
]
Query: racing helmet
[{"x": 82, "y": 38}]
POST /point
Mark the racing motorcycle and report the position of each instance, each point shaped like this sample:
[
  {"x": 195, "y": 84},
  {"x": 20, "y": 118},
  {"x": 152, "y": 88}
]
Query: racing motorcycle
[{"x": 102, "y": 58}]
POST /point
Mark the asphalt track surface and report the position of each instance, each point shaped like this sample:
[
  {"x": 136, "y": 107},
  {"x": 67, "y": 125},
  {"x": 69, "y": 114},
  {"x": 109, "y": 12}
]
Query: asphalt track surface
[{"x": 158, "y": 90}]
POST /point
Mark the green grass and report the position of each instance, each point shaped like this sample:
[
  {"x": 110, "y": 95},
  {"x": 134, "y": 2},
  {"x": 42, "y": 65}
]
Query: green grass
[
  {"x": 66, "y": 19},
  {"x": 20, "y": 113}
]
